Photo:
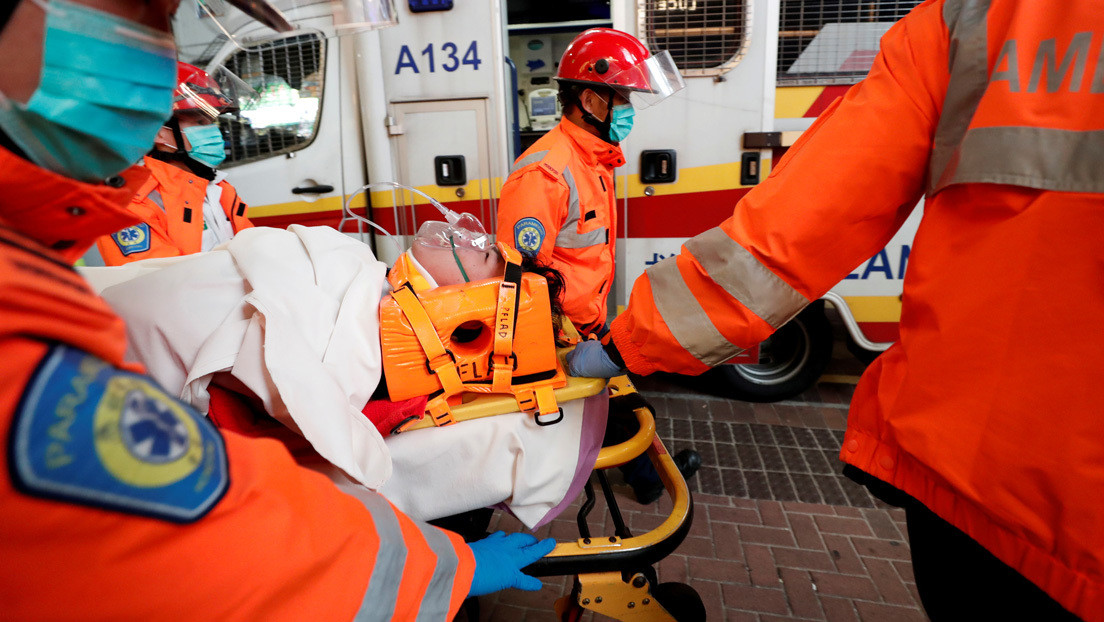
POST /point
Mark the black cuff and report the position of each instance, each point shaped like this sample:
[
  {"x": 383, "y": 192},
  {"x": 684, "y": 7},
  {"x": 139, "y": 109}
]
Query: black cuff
[{"x": 615, "y": 356}]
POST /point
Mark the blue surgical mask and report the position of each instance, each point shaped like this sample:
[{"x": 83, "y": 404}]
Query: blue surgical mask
[
  {"x": 621, "y": 122},
  {"x": 105, "y": 89},
  {"x": 208, "y": 147}
]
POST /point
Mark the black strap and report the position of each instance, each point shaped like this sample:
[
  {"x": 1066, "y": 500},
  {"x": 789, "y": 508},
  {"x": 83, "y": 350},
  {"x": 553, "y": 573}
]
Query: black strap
[
  {"x": 513, "y": 275},
  {"x": 181, "y": 154},
  {"x": 6, "y": 10}
]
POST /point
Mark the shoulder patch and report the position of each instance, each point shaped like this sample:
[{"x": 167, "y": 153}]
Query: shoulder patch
[
  {"x": 134, "y": 239},
  {"x": 89, "y": 433},
  {"x": 528, "y": 235}
]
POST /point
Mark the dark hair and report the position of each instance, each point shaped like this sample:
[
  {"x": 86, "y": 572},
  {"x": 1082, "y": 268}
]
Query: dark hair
[{"x": 556, "y": 286}]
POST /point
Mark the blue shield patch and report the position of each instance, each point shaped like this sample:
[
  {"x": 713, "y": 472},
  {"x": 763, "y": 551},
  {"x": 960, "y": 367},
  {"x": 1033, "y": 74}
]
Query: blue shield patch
[
  {"x": 134, "y": 239},
  {"x": 92, "y": 434},
  {"x": 528, "y": 235}
]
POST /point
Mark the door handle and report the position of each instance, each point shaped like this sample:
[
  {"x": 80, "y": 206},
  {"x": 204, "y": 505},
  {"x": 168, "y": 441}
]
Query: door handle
[{"x": 319, "y": 189}]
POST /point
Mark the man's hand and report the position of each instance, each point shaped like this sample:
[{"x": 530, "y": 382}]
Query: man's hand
[
  {"x": 589, "y": 359},
  {"x": 499, "y": 559}
]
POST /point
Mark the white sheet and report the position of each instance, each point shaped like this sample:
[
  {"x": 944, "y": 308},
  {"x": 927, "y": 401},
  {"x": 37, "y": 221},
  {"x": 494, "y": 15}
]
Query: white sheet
[{"x": 293, "y": 314}]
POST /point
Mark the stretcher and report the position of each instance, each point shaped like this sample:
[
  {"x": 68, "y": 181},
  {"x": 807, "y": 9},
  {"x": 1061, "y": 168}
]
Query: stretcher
[
  {"x": 293, "y": 316},
  {"x": 613, "y": 572}
]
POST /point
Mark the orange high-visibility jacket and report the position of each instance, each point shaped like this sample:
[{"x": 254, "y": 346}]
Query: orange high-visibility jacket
[
  {"x": 986, "y": 409},
  {"x": 170, "y": 206},
  {"x": 558, "y": 203},
  {"x": 120, "y": 503}
]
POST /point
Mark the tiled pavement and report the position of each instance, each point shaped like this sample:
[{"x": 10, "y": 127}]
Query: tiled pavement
[{"x": 778, "y": 533}]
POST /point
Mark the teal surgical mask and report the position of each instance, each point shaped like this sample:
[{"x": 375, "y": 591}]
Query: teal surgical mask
[
  {"x": 208, "y": 147},
  {"x": 105, "y": 89},
  {"x": 621, "y": 122}
]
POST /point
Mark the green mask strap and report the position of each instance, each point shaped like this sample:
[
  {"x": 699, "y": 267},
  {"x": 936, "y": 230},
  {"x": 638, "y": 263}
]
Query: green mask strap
[{"x": 457, "y": 258}]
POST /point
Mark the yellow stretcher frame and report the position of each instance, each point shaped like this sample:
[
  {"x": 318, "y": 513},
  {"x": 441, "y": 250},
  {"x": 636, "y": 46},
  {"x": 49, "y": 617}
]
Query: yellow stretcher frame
[{"x": 613, "y": 573}]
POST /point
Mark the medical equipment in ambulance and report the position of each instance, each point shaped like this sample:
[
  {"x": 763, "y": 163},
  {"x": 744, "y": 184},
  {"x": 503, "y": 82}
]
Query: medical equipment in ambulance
[{"x": 544, "y": 109}]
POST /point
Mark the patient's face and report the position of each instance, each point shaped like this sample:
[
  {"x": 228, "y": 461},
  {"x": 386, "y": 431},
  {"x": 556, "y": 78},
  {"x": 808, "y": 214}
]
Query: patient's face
[{"x": 441, "y": 265}]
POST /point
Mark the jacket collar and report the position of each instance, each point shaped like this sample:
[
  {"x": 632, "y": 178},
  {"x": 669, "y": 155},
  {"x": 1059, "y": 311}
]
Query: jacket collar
[
  {"x": 593, "y": 149},
  {"x": 176, "y": 178},
  {"x": 61, "y": 213}
]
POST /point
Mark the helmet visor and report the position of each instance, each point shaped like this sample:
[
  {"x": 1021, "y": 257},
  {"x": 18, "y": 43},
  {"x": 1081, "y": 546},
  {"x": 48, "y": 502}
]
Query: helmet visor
[
  {"x": 232, "y": 18},
  {"x": 212, "y": 93},
  {"x": 648, "y": 82}
]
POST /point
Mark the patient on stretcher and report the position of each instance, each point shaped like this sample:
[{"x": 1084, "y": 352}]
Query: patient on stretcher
[{"x": 291, "y": 319}]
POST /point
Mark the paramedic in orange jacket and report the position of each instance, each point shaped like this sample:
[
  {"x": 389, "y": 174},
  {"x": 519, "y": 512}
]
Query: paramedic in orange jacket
[
  {"x": 986, "y": 411},
  {"x": 186, "y": 206},
  {"x": 558, "y": 203},
  {"x": 119, "y": 502}
]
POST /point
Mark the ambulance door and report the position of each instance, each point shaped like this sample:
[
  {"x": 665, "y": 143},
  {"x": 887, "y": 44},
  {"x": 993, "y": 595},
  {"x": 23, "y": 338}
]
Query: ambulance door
[
  {"x": 293, "y": 151},
  {"x": 443, "y": 76}
]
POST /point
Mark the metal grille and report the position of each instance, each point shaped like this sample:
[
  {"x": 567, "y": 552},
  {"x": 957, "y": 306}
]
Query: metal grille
[
  {"x": 281, "y": 112},
  {"x": 704, "y": 37},
  {"x": 832, "y": 41}
]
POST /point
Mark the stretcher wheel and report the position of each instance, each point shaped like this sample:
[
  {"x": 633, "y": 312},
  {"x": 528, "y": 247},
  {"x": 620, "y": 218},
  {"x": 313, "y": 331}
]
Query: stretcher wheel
[{"x": 681, "y": 601}]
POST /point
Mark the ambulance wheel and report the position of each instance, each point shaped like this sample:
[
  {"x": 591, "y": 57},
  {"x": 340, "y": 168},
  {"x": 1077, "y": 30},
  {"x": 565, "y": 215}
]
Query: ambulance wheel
[
  {"x": 681, "y": 601},
  {"x": 864, "y": 356},
  {"x": 791, "y": 360}
]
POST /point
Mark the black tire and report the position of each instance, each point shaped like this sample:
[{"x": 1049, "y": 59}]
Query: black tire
[
  {"x": 864, "y": 356},
  {"x": 681, "y": 601},
  {"x": 793, "y": 358}
]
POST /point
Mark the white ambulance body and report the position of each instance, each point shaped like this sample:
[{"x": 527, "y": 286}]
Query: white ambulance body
[{"x": 445, "y": 100}]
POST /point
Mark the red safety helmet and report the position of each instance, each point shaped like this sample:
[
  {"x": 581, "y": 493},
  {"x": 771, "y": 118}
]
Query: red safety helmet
[
  {"x": 618, "y": 60},
  {"x": 598, "y": 54},
  {"x": 197, "y": 91}
]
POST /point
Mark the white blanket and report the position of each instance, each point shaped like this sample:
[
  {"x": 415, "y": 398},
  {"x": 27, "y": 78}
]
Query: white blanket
[{"x": 293, "y": 314}]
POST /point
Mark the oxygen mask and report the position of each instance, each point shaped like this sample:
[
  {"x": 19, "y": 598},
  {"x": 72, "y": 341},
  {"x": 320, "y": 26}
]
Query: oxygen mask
[
  {"x": 460, "y": 239},
  {"x": 464, "y": 234}
]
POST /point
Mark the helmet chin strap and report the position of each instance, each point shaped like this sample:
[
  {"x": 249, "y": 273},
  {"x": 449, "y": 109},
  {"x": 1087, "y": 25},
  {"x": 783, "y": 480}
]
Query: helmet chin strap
[
  {"x": 603, "y": 127},
  {"x": 181, "y": 154}
]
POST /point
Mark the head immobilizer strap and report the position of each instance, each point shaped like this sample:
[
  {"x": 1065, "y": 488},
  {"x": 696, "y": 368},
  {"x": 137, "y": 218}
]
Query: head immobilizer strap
[{"x": 490, "y": 336}]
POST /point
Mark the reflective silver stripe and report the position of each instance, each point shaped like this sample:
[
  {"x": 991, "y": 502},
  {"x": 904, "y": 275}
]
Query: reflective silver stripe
[
  {"x": 1033, "y": 157},
  {"x": 536, "y": 156},
  {"x": 435, "y": 603},
  {"x": 383, "y": 587},
  {"x": 1049, "y": 159},
  {"x": 742, "y": 276},
  {"x": 155, "y": 196},
  {"x": 969, "y": 77},
  {"x": 686, "y": 319},
  {"x": 567, "y": 237}
]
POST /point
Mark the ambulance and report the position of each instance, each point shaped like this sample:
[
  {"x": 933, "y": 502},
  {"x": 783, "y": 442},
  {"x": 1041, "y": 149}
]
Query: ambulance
[{"x": 443, "y": 95}]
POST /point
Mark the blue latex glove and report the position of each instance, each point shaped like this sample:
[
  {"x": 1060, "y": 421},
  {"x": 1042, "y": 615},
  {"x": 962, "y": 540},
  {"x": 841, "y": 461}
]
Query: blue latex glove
[
  {"x": 499, "y": 559},
  {"x": 590, "y": 360}
]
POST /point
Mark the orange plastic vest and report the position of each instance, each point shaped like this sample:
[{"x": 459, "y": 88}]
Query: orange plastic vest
[
  {"x": 559, "y": 203},
  {"x": 489, "y": 336},
  {"x": 986, "y": 409},
  {"x": 171, "y": 204},
  {"x": 65, "y": 560}
]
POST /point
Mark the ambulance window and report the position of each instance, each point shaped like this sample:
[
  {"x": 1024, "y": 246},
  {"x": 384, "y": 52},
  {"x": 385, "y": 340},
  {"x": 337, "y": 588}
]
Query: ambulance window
[
  {"x": 704, "y": 37},
  {"x": 824, "y": 42},
  {"x": 281, "y": 108}
]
